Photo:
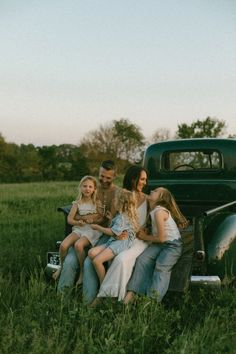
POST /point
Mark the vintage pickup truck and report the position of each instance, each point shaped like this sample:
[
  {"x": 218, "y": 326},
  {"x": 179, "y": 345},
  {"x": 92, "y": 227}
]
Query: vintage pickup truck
[{"x": 201, "y": 174}]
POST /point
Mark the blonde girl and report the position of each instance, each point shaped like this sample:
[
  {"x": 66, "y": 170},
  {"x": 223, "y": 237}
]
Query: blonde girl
[
  {"x": 86, "y": 210},
  {"x": 125, "y": 220},
  {"x": 153, "y": 267}
]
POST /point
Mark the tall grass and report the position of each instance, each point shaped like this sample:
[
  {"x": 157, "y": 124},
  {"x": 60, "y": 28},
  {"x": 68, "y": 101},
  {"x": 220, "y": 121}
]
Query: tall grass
[
  {"x": 30, "y": 223},
  {"x": 34, "y": 319}
]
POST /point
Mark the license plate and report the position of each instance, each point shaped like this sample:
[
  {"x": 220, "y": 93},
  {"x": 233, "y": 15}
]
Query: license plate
[{"x": 53, "y": 258}]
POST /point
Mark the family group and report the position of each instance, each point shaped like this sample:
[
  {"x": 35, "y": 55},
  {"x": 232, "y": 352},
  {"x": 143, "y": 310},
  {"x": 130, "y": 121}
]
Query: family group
[{"x": 123, "y": 242}]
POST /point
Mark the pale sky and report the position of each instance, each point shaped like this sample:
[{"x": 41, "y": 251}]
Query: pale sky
[{"x": 68, "y": 66}]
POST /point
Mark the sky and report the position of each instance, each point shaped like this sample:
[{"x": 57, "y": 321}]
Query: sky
[{"x": 69, "y": 66}]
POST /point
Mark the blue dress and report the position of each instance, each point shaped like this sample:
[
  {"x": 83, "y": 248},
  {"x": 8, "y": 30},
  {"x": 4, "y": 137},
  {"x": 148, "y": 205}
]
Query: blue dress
[{"x": 120, "y": 223}]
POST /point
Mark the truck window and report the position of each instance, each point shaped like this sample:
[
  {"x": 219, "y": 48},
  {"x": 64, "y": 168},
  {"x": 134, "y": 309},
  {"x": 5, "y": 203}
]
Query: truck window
[{"x": 191, "y": 160}]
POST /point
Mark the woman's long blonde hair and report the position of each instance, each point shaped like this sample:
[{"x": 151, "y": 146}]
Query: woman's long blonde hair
[
  {"x": 127, "y": 204},
  {"x": 94, "y": 195},
  {"x": 167, "y": 200}
]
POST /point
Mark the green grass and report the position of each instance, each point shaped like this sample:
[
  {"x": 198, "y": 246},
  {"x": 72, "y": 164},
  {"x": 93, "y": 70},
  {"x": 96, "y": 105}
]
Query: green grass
[{"x": 34, "y": 319}]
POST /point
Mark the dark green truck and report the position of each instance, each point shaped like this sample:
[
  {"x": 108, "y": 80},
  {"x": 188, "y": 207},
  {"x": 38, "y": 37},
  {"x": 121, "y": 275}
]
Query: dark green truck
[{"x": 201, "y": 174}]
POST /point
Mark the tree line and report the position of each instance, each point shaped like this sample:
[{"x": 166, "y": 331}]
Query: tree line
[{"x": 120, "y": 140}]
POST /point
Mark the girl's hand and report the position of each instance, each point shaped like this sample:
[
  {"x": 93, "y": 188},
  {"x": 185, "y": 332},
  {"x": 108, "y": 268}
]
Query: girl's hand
[
  {"x": 81, "y": 222},
  {"x": 89, "y": 220},
  {"x": 95, "y": 226},
  {"x": 141, "y": 234},
  {"x": 122, "y": 236}
]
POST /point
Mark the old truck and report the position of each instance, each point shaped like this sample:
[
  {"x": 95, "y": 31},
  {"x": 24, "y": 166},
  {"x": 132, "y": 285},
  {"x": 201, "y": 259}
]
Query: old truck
[{"x": 201, "y": 174}]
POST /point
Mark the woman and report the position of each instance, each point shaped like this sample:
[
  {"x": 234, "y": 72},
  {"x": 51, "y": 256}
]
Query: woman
[{"x": 119, "y": 272}]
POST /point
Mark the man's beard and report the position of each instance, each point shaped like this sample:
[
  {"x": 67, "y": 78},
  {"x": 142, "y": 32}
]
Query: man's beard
[{"x": 105, "y": 185}]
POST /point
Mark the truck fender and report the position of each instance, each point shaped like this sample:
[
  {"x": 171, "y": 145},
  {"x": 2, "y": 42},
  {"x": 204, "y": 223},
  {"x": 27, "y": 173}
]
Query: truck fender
[
  {"x": 224, "y": 236},
  {"x": 221, "y": 250}
]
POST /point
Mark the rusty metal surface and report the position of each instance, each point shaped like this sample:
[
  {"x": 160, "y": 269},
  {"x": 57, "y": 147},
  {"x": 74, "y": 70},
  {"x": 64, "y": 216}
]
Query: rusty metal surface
[
  {"x": 223, "y": 239},
  {"x": 181, "y": 272}
]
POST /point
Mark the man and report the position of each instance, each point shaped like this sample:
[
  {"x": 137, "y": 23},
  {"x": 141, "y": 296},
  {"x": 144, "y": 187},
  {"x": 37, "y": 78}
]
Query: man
[{"x": 107, "y": 192}]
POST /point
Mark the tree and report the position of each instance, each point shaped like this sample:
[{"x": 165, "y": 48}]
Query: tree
[
  {"x": 3, "y": 162},
  {"x": 120, "y": 140},
  {"x": 129, "y": 140},
  {"x": 9, "y": 161},
  {"x": 29, "y": 163},
  {"x": 63, "y": 162},
  {"x": 208, "y": 128},
  {"x": 160, "y": 134},
  {"x": 48, "y": 163},
  {"x": 232, "y": 136},
  {"x": 71, "y": 163}
]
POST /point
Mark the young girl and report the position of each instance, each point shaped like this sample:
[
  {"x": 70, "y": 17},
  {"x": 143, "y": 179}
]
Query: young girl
[
  {"x": 152, "y": 271},
  {"x": 86, "y": 210},
  {"x": 125, "y": 220}
]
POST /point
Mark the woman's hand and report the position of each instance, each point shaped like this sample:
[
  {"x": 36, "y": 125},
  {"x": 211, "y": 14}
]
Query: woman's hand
[{"x": 81, "y": 222}]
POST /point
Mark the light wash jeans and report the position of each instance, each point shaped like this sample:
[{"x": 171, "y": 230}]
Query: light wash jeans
[
  {"x": 151, "y": 275},
  {"x": 69, "y": 271},
  {"x": 90, "y": 279}
]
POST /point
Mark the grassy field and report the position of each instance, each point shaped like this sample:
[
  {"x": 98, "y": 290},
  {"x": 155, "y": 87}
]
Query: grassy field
[{"x": 34, "y": 319}]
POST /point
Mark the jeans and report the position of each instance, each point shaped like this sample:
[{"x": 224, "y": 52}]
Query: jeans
[
  {"x": 69, "y": 271},
  {"x": 153, "y": 267},
  {"x": 90, "y": 279}
]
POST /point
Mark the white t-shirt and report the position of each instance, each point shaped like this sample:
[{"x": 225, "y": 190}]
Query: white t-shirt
[{"x": 171, "y": 229}]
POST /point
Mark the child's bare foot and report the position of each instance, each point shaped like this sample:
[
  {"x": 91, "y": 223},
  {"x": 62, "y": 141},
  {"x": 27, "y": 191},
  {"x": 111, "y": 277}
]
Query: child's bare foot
[
  {"x": 96, "y": 302},
  {"x": 129, "y": 297},
  {"x": 56, "y": 274},
  {"x": 80, "y": 280}
]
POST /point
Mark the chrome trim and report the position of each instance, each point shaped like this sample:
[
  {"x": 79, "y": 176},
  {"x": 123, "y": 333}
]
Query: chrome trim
[{"x": 205, "y": 280}]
